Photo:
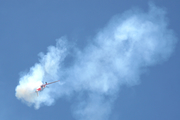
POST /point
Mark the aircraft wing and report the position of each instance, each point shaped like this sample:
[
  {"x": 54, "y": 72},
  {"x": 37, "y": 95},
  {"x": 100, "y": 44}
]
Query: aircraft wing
[{"x": 52, "y": 82}]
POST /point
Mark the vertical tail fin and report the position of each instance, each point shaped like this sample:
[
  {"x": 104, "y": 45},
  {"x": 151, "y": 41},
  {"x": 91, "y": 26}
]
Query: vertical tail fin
[{"x": 37, "y": 93}]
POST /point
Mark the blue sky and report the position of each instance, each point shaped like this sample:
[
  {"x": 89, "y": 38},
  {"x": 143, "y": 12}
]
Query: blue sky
[{"x": 30, "y": 27}]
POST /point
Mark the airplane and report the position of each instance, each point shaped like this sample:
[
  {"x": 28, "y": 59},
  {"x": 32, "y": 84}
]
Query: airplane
[{"x": 43, "y": 86}]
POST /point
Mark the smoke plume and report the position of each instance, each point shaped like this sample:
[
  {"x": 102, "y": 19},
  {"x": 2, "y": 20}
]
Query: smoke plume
[{"x": 116, "y": 56}]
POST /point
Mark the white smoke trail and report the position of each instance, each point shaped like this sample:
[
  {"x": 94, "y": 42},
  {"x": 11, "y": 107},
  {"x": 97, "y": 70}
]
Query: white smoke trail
[
  {"x": 46, "y": 70},
  {"x": 117, "y": 56}
]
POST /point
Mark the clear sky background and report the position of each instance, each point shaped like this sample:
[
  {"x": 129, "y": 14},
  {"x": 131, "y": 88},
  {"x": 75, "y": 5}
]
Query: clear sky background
[{"x": 29, "y": 27}]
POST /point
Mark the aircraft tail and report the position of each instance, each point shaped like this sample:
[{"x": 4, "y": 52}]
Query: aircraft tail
[{"x": 37, "y": 93}]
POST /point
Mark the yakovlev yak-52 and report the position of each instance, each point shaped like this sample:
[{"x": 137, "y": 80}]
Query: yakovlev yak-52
[{"x": 43, "y": 86}]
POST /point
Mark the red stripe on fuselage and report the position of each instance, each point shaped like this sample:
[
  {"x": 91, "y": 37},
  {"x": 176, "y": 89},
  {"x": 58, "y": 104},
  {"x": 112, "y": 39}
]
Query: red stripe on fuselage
[{"x": 38, "y": 89}]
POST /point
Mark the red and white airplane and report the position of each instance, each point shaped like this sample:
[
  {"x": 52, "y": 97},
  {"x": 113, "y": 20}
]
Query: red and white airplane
[{"x": 43, "y": 86}]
